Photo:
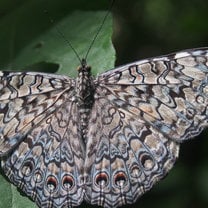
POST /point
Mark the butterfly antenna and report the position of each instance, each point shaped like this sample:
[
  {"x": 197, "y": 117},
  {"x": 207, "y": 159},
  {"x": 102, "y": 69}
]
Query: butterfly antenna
[
  {"x": 82, "y": 61},
  {"x": 64, "y": 38},
  {"x": 99, "y": 28}
]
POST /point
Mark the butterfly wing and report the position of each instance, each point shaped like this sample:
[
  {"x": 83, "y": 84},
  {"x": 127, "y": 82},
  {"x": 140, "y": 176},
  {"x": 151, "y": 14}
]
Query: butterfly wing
[
  {"x": 142, "y": 111},
  {"x": 42, "y": 152}
]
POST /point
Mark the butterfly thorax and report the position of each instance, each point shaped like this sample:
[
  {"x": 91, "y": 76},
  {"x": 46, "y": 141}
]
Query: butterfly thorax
[{"x": 84, "y": 97}]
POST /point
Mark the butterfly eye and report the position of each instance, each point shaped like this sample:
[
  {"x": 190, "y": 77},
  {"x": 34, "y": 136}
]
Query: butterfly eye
[
  {"x": 120, "y": 179},
  {"x": 68, "y": 182},
  {"x": 51, "y": 183},
  {"x": 101, "y": 179},
  {"x": 27, "y": 168},
  {"x": 147, "y": 161}
]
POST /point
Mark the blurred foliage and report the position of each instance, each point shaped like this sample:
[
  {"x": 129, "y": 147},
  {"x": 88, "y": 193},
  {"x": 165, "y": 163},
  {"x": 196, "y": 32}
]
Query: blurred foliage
[
  {"x": 142, "y": 28},
  {"x": 30, "y": 41}
]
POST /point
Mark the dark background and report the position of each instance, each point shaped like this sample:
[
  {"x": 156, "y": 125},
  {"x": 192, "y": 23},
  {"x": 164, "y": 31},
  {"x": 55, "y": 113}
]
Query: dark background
[{"x": 146, "y": 28}]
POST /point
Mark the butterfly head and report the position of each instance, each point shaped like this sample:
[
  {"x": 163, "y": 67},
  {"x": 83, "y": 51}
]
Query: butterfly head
[{"x": 84, "y": 67}]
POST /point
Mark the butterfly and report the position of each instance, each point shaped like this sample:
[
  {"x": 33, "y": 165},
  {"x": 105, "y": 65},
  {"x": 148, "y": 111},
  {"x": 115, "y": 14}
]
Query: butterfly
[{"x": 104, "y": 140}]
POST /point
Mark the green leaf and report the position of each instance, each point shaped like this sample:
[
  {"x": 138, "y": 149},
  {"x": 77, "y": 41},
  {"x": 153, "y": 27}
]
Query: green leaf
[
  {"x": 29, "y": 41},
  {"x": 5, "y": 190},
  {"x": 29, "y": 46},
  {"x": 79, "y": 28}
]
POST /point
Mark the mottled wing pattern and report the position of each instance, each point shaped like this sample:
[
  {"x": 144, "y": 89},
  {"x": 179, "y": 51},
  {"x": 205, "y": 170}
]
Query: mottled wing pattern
[
  {"x": 39, "y": 140},
  {"x": 142, "y": 112}
]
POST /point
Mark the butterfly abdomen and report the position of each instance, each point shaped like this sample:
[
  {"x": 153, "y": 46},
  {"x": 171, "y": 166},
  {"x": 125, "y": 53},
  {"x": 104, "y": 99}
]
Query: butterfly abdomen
[{"x": 84, "y": 97}]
